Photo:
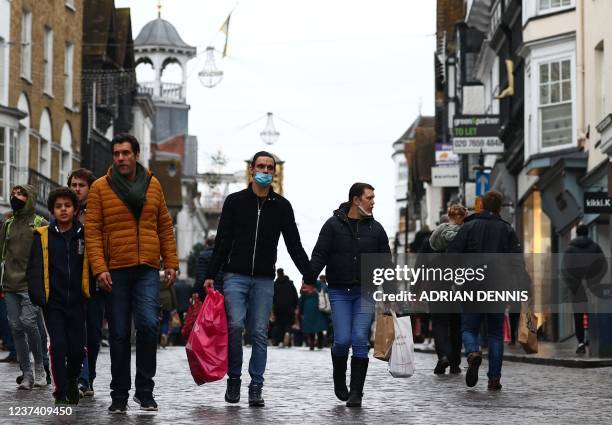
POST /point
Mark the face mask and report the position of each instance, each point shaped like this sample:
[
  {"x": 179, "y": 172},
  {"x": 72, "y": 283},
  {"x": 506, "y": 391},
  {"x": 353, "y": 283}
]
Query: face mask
[
  {"x": 17, "y": 204},
  {"x": 363, "y": 212},
  {"x": 263, "y": 179}
]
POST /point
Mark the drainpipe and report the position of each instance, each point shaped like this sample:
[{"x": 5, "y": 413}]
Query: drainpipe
[{"x": 581, "y": 66}]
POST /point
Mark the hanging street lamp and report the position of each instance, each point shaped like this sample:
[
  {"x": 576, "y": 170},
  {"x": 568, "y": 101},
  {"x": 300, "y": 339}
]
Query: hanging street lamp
[
  {"x": 210, "y": 76},
  {"x": 269, "y": 134}
]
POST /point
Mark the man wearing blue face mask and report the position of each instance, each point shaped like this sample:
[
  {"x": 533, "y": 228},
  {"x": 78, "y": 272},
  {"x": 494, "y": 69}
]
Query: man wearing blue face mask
[{"x": 245, "y": 248}]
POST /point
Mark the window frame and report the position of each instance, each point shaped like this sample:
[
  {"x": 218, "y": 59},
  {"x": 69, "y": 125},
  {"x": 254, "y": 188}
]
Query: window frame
[
  {"x": 553, "y": 9},
  {"x": 25, "y": 66},
  {"x": 48, "y": 61},
  {"x": 536, "y": 72},
  {"x": 69, "y": 75}
]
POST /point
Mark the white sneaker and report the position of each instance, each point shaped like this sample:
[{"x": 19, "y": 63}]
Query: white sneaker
[
  {"x": 28, "y": 382},
  {"x": 41, "y": 377}
]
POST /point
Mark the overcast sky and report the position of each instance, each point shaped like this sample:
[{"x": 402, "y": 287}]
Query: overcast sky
[{"x": 348, "y": 75}]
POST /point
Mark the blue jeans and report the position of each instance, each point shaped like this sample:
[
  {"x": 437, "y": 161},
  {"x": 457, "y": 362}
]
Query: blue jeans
[
  {"x": 5, "y": 330},
  {"x": 352, "y": 316},
  {"x": 253, "y": 295},
  {"x": 94, "y": 317},
  {"x": 135, "y": 290},
  {"x": 470, "y": 327}
]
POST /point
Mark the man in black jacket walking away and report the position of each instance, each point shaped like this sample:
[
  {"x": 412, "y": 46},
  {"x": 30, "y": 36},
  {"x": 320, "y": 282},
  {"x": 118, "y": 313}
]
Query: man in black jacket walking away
[
  {"x": 284, "y": 305},
  {"x": 344, "y": 238},
  {"x": 245, "y": 247},
  {"x": 583, "y": 260},
  {"x": 485, "y": 232}
]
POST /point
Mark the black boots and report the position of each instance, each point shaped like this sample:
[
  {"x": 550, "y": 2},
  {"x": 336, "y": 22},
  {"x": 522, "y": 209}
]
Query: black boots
[
  {"x": 359, "y": 369},
  {"x": 340, "y": 388},
  {"x": 232, "y": 394},
  {"x": 474, "y": 360},
  {"x": 441, "y": 366},
  {"x": 255, "y": 397}
]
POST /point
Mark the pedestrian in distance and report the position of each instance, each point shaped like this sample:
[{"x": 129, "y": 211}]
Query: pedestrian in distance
[
  {"x": 128, "y": 229},
  {"x": 25, "y": 318},
  {"x": 446, "y": 317},
  {"x": 485, "y": 232},
  {"x": 202, "y": 265},
  {"x": 583, "y": 266},
  {"x": 251, "y": 223},
  {"x": 284, "y": 303},
  {"x": 58, "y": 282},
  {"x": 314, "y": 321},
  {"x": 351, "y": 232}
]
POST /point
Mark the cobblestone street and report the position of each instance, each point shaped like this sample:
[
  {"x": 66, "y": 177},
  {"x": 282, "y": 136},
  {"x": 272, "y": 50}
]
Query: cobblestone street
[{"x": 298, "y": 389}]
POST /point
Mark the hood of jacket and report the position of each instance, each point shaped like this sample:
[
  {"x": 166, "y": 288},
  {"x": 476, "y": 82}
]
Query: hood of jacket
[
  {"x": 30, "y": 205},
  {"x": 342, "y": 212}
]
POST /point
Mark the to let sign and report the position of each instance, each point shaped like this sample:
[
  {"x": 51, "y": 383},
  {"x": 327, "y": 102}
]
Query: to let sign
[
  {"x": 475, "y": 133},
  {"x": 597, "y": 203}
]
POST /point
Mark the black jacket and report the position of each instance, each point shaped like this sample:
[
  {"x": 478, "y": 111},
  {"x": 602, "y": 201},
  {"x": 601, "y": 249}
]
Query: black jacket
[
  {"x": 65, "y": 254},
  {"x": 285, "y": 296},
  {"x": 341, "y": 250},
  {"x": 485, "y": 232},
  {"x": 583, "y": 260},
  {"x": 248, "y": 233}
]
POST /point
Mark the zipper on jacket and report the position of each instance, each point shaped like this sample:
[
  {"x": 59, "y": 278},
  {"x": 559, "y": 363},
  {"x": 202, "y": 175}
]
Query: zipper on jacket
[
  {"x": 68, "y": 258},
  {"x": 259, "y": 207}
]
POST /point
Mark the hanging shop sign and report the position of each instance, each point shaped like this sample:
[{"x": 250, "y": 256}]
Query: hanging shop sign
[
  {"x": 475, "y": 133},
  {"x": 445, "y": 176},
  {"x": 445, "y": 154},
  {"x": 597, "y": 203}
]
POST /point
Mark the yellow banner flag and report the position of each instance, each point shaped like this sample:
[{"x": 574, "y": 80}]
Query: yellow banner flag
[{"x": 225, "y": 30}]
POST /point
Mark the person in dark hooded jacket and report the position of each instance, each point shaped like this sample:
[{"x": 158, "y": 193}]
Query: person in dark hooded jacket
[
  {"x": 485, "y": 233},
  {"x": 344, "y": 238},
  {"x": 24, "y": 317},
  {"x": 583, "y": 260}
]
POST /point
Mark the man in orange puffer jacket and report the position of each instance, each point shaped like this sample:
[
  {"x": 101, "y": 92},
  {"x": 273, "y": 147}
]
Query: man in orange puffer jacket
[{"x": 127, "y": 230}]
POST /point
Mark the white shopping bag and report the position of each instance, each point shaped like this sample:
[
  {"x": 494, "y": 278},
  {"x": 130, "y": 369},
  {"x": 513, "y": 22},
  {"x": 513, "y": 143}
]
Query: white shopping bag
[{"x": 401, "y": 363}]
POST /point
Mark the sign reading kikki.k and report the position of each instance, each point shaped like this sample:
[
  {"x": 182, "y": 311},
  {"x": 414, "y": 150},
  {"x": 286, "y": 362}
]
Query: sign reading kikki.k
[{"x": 597, "y": 203}]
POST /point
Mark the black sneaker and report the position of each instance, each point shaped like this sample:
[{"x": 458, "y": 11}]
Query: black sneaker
[
  {"x": 146, "y": 401},
  {"x": 232, "y": 393},
  {"x": 581, "y": 348},
  {"x": 118, "y": 407},
  {"x": 455, "y": 370},
  {"x": 255, "y": 398},
  {"x": 441, "y": 366},
  {"x": 19, "y": 379},
  {"x": 73, "y": 392}
]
